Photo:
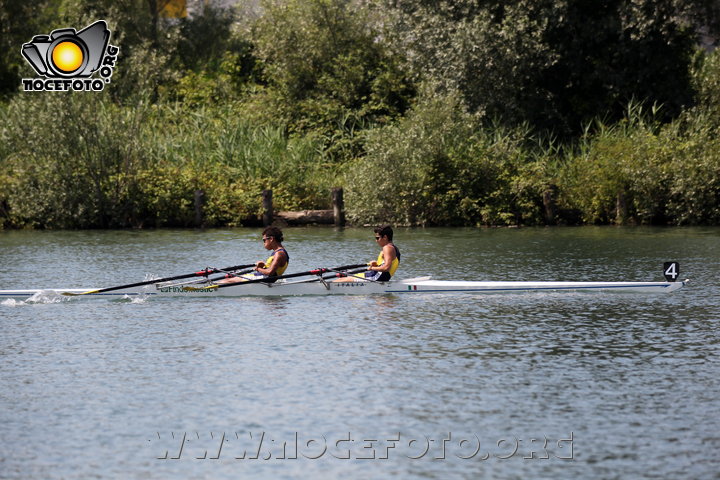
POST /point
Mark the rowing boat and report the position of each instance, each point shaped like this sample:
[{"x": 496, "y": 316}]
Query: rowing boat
[
  {"x": 316, "y": 286},
  {"x": 340, "y": 282}
]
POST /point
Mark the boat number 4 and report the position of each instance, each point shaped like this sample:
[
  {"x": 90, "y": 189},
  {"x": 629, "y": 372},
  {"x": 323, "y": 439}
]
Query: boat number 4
[{"x": 671, "y": 270}]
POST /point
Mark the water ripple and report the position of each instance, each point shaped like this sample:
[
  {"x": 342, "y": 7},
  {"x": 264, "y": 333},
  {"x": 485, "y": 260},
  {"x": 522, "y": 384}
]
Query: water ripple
[{"x": 98, "y": 388}]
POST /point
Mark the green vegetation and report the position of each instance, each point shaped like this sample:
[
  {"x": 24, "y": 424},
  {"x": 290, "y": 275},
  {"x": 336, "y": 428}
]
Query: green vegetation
[
  {"x": 427, "y": 113},
  {"x": 81, "y": 161}
]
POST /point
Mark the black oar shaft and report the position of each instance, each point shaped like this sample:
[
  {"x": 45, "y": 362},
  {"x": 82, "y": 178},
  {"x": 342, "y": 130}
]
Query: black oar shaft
[
  {"x": 213, "y": 279},
  {"x": 201, "y": 273}
]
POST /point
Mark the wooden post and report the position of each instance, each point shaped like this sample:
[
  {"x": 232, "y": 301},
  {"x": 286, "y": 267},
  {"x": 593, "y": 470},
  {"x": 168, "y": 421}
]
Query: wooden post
[
  {"x": 549, "y": 204},
  {"x": 621, "y": 211},
  {"x": 267, "y": 207},
  {"x": 338, "y": 206},
  {"x": 199, "y": 204}
]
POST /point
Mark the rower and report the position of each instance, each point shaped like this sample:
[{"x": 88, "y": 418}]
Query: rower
[
  {"x": 275, "y": 265},
  {"x": 382, "y": 269}
]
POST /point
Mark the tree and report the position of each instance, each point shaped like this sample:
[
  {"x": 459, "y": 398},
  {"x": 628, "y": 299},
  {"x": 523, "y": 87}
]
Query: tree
[
  {"x": 323, "y": 62},
  {"x": 609, "y": 53},
  {"x": 554, "y": 63},
  {"x": 19, "y": 22}
]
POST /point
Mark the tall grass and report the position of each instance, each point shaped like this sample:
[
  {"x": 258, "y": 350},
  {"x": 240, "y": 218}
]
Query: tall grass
[
  {"x": 642, "y": 172},
  {"x": 81, "y": 161}
]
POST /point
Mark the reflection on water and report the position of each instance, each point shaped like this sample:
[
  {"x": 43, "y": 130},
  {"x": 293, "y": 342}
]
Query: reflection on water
[{"x": 631, "y": 379}]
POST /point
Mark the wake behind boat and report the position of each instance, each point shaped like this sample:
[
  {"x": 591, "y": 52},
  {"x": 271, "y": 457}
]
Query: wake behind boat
[{"x": 340, "y": 283}]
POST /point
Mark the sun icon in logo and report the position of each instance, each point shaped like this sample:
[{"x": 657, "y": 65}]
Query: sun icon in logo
[
  {"x": 67, "y": 56},
  {"x": 67, "y": 59}
]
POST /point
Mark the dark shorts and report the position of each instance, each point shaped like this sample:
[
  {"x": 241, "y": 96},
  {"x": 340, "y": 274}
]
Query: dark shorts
[
  {"x": 378, "y": 276},
  {"x": 259, "y": 276}
]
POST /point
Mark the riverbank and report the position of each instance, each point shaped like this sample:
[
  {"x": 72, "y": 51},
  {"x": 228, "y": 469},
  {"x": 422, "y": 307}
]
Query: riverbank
[
  {"x": 505, "y": 119},
  {"x": 112, "y": 166}
]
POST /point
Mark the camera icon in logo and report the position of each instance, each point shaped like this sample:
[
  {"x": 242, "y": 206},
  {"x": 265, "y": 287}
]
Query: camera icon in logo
[{"x": 67, "y": 53}]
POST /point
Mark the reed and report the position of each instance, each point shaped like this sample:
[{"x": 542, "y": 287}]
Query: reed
[{"x": 72, "y": 161}]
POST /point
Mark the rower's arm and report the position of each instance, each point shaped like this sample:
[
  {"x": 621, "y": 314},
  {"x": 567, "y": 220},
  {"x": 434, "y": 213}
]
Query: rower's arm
[
  {"x": 279, "y": 260},
  {"x": 388, "y": 257}
]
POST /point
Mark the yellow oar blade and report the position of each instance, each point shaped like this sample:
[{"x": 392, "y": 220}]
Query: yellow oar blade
[
  {"x": 70, "y": 294},
  {"x": 200, "y": 289}
]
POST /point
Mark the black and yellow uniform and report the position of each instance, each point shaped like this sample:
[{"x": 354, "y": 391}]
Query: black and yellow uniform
[{"x": 385, "y": 276}]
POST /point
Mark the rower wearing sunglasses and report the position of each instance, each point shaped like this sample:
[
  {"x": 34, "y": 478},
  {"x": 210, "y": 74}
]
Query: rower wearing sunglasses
[
  {"x": 275, "y": 265},
  {"x": 382, "y": 269}
]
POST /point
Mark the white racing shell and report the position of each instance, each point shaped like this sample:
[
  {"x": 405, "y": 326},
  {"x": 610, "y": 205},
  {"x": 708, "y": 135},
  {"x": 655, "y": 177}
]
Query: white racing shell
[{"x": 314, "y": 286}]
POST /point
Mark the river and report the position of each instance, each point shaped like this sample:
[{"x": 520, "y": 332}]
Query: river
[{"x": 542, "y": 385}]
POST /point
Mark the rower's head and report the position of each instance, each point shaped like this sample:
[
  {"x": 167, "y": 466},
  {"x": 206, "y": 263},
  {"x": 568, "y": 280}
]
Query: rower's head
[
  {"x": 271, "y": 237},
  {"x": 384, "y": 234}
]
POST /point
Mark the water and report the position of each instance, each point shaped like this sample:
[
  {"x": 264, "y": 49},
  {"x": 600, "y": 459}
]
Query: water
[{"x": 546, "y": 385}]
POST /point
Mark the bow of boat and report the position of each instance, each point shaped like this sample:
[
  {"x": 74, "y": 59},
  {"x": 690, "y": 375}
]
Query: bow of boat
[{"x": 429, "y": 285}]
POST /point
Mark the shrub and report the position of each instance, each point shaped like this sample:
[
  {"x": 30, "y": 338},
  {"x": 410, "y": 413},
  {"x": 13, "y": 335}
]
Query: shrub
[{"x": 439, "y": 166}]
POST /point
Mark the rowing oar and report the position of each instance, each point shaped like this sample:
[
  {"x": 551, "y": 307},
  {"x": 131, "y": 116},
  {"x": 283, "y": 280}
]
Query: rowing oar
[
  {"x": 317, "y": 271},
  {"x": 201, "y": 273},
  {"x": 211, "y": 279},
  {"x": 339, "y": 273},
  {"x": 351, "y": 273}
]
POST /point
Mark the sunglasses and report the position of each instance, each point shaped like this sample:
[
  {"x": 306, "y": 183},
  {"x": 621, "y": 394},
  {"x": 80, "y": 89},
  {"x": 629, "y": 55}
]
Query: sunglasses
[
  {"x": 378, "y": 238},
  {"x": 265, "y": 239}
]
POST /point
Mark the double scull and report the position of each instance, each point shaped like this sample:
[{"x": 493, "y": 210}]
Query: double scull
[{"x": 321, "y": 284}]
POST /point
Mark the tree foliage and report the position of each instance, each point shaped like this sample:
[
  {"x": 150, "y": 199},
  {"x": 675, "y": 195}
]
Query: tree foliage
[
  {"x": 326, "y": 69},
  {"x": 555, "y": 64},
  {"x": 472, "y": 112},
  {"x": 438, "y": 165}
]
